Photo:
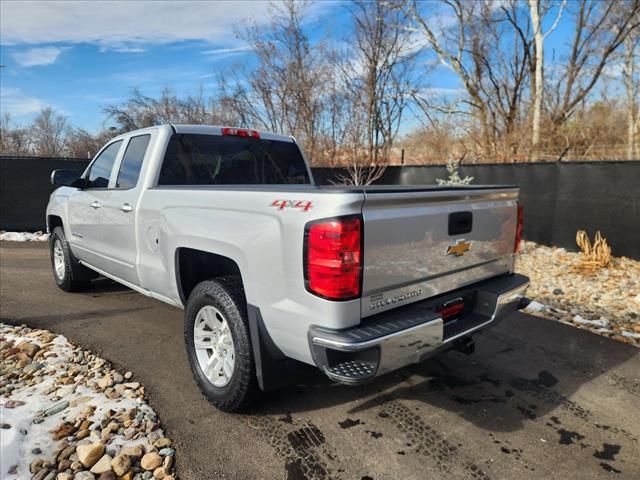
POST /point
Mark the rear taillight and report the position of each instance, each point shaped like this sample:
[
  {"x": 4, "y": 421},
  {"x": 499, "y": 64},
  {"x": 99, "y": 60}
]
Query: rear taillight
[
  {"x": 516, "y": 245},
  {"x": 240, "y": 132},
  {"x": 333, "y": 257}
]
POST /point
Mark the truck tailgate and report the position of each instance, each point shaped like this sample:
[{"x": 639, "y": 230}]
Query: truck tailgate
[{"x": 424, "y": 242}]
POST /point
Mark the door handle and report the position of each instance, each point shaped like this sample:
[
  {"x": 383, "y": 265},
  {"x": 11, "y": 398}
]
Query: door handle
[
  {"x": 95, "y": 204},
  {"x": 126, "y": 207}
]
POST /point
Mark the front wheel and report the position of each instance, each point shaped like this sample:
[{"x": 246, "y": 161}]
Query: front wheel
[
  {"x": 218, "y": 344},
  {"x": 69, "y": 275}
]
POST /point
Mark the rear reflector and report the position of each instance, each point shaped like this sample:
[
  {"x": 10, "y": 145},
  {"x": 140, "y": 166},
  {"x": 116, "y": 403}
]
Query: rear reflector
[
  {"x": 451, "y": 309},
  {"x": 240, "y": 132},
  {"x": 332, "y": 257},
  {"x": 516, "y": 245}
]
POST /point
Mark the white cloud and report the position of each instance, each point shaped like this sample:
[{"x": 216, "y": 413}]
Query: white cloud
[
  {"x": 217, "y": 52},
  {"x": 13, "y": 101},
  {"x": 122, "y": 23},
  {"x": 37, "y": 56}
]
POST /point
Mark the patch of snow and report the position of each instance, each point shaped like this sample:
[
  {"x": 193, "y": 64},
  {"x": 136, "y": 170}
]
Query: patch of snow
[
  {"x": 535, "y": 307},
  {"x": 596, "y": 323},
  {"x": 24, "y": 236},
  {"x": 24, "y": 410},
  {"x": 630, "y": 334}
]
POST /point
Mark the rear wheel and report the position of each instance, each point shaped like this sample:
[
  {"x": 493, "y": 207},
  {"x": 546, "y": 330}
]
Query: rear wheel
[
  {"x": 218, "y": 344},
  {"x": 69, "y": 275}
]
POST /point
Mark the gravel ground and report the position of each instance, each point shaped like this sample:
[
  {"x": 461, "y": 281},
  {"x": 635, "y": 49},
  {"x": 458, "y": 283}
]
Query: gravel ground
[
  {"x": 67, "y": 415},
  {"x": 606, "y": 302}
]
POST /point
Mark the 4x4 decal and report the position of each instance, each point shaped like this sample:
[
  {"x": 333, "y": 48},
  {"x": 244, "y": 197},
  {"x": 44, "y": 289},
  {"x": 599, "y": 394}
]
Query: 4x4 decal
[{"x": 303, "y": 205}]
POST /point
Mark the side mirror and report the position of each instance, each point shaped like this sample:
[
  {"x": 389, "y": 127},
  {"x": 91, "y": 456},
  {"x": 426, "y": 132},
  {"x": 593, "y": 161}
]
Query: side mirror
[{"x": 67, "y": 178}]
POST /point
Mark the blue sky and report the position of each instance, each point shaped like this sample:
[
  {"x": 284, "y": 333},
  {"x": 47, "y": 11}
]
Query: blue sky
[{"x": 78, "y": 56}]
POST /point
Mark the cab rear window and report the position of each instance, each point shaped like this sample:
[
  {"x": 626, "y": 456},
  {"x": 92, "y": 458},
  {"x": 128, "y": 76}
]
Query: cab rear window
[{"x": 193, "y": 159}]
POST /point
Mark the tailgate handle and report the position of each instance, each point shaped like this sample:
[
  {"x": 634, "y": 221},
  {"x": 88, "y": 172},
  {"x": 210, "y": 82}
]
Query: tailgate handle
[{"x": 460, "y": 222}]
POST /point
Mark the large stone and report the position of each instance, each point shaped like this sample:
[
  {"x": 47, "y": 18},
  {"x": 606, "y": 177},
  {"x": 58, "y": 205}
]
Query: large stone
[
  {"x": 151, "y": 461},
  {"x": 133, "y": 451},
  {"x": 89, "y": 454},
  {"x": 103, "y": 465},
  {"x": 84, "y": 475},
  {"x": 29, "y": 348},
  {"x": 121, "y": 464},
  {"x": 162, "y": 443}
]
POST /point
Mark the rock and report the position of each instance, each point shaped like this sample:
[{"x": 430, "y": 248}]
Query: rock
[
  {"x": 106, "y": 382},
  {"x": 167, "y": 452},
  {"x": 42, "y": 473},
  {"x": 558, "y": 291},
  {"x": 64, "y": 430},
  {"x": 103, "y": 465},
  {"x": 64, "y": 476},
  {"x": 51, "y": 475},
  {"x": 90, "y": 454},
  {"x": 57, "y": 408},
  {"x": 82, "y": 434},
  {"x": 162, "y": 443},
  {"x": 128, "y": 375},
  {"x": 13, "y": 404},
  {"x": 121, "y": 464},
  {"x": 64, "y": 465},
  {"x": 36, "y": 465},
  {"x": 66, "y": 452},
  {"x": 84, "y": 476},
  {"x": 108, "y": 476},
  {"x": 36, "y": 451},
  {"x": 127, "y": 476},
  {"x": 28, "y": 348},
  {"x": 133, "y": 451},
  {"x": 118, "y": 378},
  {"x": 151, "y": 461},
  {"x": 168, "y": 462},
  {"x": 159, "y": 473},
  {"x": 76, "y": 465}
]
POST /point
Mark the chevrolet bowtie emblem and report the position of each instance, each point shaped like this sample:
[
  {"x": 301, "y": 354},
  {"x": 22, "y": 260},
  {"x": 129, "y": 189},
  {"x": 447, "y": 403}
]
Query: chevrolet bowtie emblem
[{"x": 459, "y": 248}]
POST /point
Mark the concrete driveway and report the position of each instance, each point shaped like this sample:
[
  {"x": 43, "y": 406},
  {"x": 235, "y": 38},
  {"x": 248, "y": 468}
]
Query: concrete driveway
[{"x": 538, "y": 399}]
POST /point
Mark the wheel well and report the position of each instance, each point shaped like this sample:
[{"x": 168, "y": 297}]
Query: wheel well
[
  {"x": 54, "y": 221},
  {"x": 195, "y": 266}
]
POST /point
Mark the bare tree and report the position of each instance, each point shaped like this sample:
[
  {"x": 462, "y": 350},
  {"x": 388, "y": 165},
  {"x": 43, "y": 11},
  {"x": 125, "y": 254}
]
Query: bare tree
[
  {"x": 140, "y": 111},
  {"x": 600, "y": 28},
  {"x": 537, "y": 12},
  {"x": 14, "y": 140},
  {"x": 82, "y": 144},
  {"x": 284, "y": 92},
  {"x": 378, "y": 75},
  {"x": 630, "y": 73},
  {"x": 49, "y": 132},
  {"x": 494, "y": 78}
]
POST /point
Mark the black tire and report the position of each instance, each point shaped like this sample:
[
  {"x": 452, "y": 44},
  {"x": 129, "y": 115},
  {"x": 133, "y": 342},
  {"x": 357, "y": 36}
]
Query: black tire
[
  {"x": 75, "y": 277},
  {"x": 227, "y": 295}
]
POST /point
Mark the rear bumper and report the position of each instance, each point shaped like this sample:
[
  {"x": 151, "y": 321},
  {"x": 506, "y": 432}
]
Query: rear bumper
[{"x": 407, "y": 335}]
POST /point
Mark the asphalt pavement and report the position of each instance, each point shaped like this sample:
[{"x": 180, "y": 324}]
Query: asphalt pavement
[{"x": 538, "y": 399}]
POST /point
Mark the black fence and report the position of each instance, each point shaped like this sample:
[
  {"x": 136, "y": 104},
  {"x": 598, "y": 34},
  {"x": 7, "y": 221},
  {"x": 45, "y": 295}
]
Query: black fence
[
  {"x": 558, "y": 198},
  {"x": 25, "y": 188}
]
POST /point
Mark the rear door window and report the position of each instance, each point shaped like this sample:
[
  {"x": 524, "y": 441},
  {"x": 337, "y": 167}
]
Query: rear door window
[
  {"x": 132, "y": 162},
  {"x": 193, "y": 159},
  {"x": 100, "y": 170}
]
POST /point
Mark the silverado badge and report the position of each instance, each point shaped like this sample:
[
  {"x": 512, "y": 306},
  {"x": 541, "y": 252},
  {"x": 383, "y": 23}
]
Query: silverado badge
[{"x": 459, "y": 248}]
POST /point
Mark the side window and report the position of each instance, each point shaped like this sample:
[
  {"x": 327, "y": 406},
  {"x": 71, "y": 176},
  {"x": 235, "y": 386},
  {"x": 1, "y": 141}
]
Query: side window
[
  {"x": 132, "y": 162},
  {"x": 100, "y": 170}
]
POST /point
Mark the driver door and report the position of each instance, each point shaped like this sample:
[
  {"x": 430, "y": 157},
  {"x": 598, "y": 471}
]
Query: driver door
[{"x": 86, "y": 222}]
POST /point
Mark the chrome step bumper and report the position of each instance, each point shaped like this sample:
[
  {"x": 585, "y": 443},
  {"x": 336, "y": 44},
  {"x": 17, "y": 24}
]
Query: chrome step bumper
[{"x": 410, "y": 334}]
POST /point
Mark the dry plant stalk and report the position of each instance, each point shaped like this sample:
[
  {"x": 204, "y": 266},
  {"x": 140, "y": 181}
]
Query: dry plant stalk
[{"x": 594, "y": 256}]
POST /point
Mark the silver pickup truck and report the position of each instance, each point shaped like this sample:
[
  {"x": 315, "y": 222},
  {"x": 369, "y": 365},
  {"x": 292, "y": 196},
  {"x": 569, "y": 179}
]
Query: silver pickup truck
[{"x": 273, "y": 270}]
